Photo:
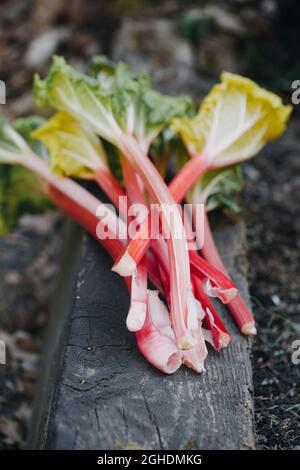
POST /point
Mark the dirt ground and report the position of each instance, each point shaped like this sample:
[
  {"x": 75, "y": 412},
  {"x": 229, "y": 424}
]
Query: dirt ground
[
  {"x": 30, "y": 32},
  {"x": 271, "y": 201}
]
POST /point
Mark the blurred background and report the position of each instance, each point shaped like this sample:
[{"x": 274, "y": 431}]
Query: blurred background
[{"x": 184, "y": 45}]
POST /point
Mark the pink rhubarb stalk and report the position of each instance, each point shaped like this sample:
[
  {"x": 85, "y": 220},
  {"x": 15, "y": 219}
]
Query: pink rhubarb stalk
[
  {"x": 189, "y": 173},
  {"x": 138, "y": 296},
  {"x": 178, "y": 187},
  {"x": 156, "y": 340},
  {"x": 180, "y": 281},
  {"x": 193, "y": 358}
]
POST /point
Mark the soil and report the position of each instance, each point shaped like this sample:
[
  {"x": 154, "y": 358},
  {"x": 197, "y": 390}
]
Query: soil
[
  {"x": 271, "y": 201},
  {"x": 29, "y": 264}
]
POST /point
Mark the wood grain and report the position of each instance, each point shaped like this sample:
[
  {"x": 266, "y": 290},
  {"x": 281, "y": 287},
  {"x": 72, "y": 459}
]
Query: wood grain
[{"x": 107, "y": 397}]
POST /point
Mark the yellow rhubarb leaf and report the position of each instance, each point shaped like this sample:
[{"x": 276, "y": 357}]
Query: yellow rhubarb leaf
[
  {"x": 74, "y": 150},
  {"x": 234, "y": 121}
]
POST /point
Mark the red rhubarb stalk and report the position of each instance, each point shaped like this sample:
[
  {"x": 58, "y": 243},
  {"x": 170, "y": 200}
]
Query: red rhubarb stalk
[
  {"x": 178, "y": 187},
  {"x": 214, "y": 330},
  {"x": 217, "y": 285},
  {"x": 237, "y": 307},
  {"x": 180, "y": 281},
  {"x": 111, "y": 188},
  {"x": 86, "y": 218}
]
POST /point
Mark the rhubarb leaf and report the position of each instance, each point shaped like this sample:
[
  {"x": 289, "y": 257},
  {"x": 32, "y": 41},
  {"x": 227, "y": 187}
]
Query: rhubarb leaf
[
  {"x": 219, "y": 189},
  {"x": 104, "y": 70},
  {"x": 7, "y": 147},
  {"x": 168, "y": 151},
  {"x": 21, "y": 191},
  {"x": 110, "y": 102},
  {"x": 74, "y": 151},
  {"x": 25, "y": 126},
  {"x": 16, "y": 137},
  {"x": 81, "y": 96},
  {"x": 149, "y": 111},
  {"x": 234, "y": 121},
  {"x": 114, "y": 161}
]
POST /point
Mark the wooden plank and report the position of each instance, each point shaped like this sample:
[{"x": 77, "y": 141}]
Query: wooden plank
[{"x": 108, "y": 397}]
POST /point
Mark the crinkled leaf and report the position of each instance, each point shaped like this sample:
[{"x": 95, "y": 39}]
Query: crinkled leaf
[
  {"x": 234, "y": 121},
  {"x": 167, "y": 151},
  {"x": 21, "y": 191},
  {"x": 104, "y": 70},
  {"x": 161, "y": 109},
  {"x": 219, "y": 189},
  {"x": 114, "y": 161},
  {"x": 81, "y": 96},
  {"x": 150, "y": 111},
  {"x": 116, "y": 75},
  {"x": 112, "y": 101},
  {"x": 25, "y": 126},
  {"x": 16, "y": 137},
  {"x": 74, "y": 151}
]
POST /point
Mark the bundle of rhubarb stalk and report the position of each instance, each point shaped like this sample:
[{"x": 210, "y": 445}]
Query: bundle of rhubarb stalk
[{"x": 111, "y": 127}]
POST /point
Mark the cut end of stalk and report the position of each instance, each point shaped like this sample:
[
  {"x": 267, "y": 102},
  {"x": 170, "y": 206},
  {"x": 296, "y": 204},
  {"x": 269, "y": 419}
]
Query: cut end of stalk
[
  {"x": 224, "y": 340},
  {"x": 125, "y": 265},
  {"x": 228, "y": 295},
  {"x": 186, "y": 342},
  {"x": 174, "y": 362},
  {"x": 196, "y": 366},
  {"x": 225, "y": 295},
  {"x": 136, "y": 316},
  {"x": 249, "y": 329}
]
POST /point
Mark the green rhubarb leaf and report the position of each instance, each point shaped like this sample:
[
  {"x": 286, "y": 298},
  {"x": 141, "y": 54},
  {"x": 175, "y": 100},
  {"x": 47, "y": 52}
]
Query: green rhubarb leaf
[
  {"x": 83, "y": 97},
  {"x": 25, "y": 126},
  {"x": 7, "y": 146},
  {"x": 219, "y": 189},
  {"x": 168, "y": 152},
  {"x": 116, "y": 75},
  {"x": 114, "y": 161},
  {"x": 16, "y": 137},
  {"x": 149, "y": 111},
  {"x": 104, "y": 70},
  {"x": 161, "y": 109},
  {"x": 111, "y": 101},
  {"x": 21, "y": 191}
]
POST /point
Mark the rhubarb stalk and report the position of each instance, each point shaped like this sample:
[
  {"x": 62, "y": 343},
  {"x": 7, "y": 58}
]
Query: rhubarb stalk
[
  {"x": 138, "y": 296},
  {"x": 180, "y": 283},
  {"x": 237, "y": 307}
]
